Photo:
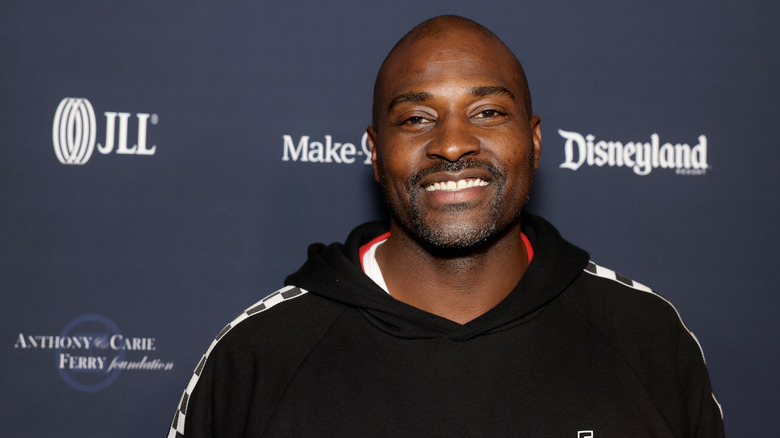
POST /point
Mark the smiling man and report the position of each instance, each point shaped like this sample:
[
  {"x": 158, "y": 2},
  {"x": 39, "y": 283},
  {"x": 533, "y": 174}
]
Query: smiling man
[
  {"x": 454, "y": 149},
  {"x": 463, "y": 316}
]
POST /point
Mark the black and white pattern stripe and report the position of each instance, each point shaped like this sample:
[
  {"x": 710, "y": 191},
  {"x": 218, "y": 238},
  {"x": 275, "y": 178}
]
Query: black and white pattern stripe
[
  {"x": 284, "y": 294},
  {"x": 603, "y": 272}
]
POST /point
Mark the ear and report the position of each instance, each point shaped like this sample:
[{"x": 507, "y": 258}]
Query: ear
[
  {"x": 536, "y": 136},
  {"x": 372, "y": 145}
]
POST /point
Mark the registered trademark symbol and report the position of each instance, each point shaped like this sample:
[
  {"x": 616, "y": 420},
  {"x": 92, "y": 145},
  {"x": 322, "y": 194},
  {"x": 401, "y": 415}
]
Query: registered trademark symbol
[{"x": 155, "y": 119}]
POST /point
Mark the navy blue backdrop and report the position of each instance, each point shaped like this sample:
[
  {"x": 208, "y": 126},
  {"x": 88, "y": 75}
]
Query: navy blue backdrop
[{"x": 163, "y": 165}]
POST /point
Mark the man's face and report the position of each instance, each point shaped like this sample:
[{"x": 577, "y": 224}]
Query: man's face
[{"x": 454, "y": 149}]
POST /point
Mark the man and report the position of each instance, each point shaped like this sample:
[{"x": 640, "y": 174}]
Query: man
[{"x": 465, "y": 317}]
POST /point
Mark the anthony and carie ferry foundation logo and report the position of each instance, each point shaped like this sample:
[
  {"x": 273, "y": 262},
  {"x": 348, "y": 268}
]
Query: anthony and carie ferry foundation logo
[{"x": 90, "y": 353}]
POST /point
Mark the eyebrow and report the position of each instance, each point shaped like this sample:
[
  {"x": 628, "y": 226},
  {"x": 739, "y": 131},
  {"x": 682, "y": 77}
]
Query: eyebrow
[
  {"x": 485, "y": 90},
  {"x": 409, "y": 97},
  {"x": 490, "y": 90}
]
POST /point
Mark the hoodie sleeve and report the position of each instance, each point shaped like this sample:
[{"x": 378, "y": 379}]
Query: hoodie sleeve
[
  {"x": 230, "y": 377},
  {"x": 218, "y": 404},
  {"x": 648, "y": 333},
  {"x": 238, "y": 383},
  {"x": 705, "y": 417}
]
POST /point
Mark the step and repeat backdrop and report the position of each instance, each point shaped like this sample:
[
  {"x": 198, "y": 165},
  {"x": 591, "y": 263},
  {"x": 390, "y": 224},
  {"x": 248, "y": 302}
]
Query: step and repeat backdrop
[{"x": 164, "y": 165}]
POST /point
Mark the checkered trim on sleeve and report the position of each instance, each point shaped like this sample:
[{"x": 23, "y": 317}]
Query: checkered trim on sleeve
[
  {"x": 281, "y": 295},
  {"x": 600, "y": 271},
  {"x": 603, "y": 272}
]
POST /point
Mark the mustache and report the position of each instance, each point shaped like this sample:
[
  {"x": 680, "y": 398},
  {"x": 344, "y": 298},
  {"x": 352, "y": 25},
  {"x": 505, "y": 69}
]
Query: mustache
[{"x": 457, "y": 166}]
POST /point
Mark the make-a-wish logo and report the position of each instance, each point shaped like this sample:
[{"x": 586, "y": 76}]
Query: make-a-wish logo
[
  {"x": 325, "y": 151},
  {"x": 74, "y": 132},
  {"x": 641, "y": 157},
  {"x": 91, "y": 352}
]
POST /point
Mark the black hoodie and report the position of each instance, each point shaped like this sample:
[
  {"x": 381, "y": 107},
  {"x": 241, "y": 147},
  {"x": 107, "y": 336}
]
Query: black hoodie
[{"x": 575, "y": 350}]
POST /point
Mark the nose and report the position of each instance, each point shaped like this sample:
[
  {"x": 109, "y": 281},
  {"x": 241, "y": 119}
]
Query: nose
[{"x": 453, "y": 140}]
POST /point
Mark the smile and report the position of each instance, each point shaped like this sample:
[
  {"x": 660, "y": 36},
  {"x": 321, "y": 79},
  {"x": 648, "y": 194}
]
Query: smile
[{"x": 454, "y": 186}]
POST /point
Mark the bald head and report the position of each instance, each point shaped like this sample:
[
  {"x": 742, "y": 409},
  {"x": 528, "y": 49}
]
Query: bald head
[{"x": 442, "y": 28}]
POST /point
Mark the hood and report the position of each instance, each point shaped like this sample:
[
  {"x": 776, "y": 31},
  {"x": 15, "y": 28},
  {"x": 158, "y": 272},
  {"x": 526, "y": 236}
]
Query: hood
[{"x": 334, "y": 272}]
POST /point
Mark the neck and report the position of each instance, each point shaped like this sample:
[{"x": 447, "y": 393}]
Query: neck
[{"x": 459, "y": 287}]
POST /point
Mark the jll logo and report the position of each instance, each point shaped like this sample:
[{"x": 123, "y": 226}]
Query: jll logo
[{"x": 73, "y": 132}]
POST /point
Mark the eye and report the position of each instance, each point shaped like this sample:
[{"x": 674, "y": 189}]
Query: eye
[
  {"x": 415, "y": 123},
  {"x": 415, "y": 120},
  {"x": 489, "y": 113}
]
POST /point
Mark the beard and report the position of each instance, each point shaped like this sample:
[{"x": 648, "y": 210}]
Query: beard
[{"x": 456, "y": 238}]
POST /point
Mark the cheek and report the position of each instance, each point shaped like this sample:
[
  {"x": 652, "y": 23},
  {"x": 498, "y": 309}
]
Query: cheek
[
  {"x": 395, "y": 166},
  {"x": 392, "y": 178},
  {"x": 505, "y": 146}
]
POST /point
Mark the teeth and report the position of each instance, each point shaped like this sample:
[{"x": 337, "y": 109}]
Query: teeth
[{"x": 452, "y": 186}]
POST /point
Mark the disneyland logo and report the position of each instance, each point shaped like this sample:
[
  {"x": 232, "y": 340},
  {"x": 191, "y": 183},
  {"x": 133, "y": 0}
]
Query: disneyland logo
[
  {"x": 641, "y": 157},
  {"x": 91, "y": 352},
  {"x": 74, "y": 132},
  {"x": 325, "y": 151}
]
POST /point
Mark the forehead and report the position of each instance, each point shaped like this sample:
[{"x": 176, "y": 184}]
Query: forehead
[{"x": 465, "y": 57}]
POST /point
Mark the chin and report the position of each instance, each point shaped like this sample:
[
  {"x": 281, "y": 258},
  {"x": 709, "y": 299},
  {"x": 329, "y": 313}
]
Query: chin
[{"x": 459, "y": 239}]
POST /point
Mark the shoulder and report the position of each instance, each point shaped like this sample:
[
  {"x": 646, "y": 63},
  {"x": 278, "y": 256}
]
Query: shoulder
[
  {"x": 287, "y": 322},
  {"x": 633, "y": 318},
  {"x": 602, "y": 293},
  {"x": 252, "y": 358},
  {"x": 649, "y": 335},
  {"x": 285, "y": 313}
]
